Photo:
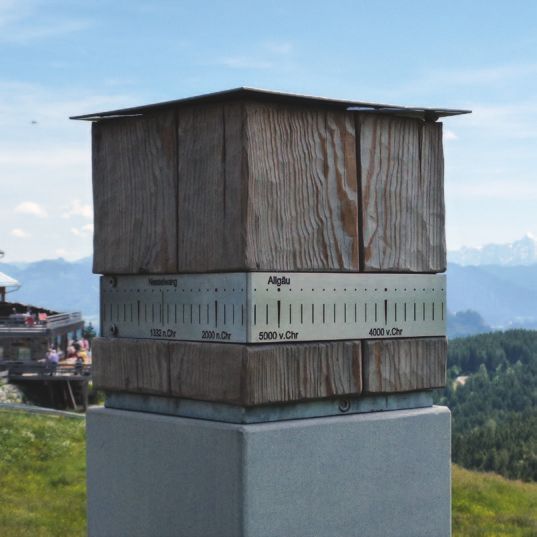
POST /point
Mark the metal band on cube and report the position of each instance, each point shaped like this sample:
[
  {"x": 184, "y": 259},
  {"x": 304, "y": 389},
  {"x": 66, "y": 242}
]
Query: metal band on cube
[{"x": 264, "y": 307}]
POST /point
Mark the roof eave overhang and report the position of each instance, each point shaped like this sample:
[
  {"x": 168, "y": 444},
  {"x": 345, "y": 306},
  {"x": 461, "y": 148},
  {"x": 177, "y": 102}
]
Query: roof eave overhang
[{"x": 426, "y": 114}]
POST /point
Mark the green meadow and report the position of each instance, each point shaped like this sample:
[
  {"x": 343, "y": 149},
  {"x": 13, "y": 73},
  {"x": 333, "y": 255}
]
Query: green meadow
[
  {"x": 42, "y": 485},
  {"x": 487, "y": 505}
]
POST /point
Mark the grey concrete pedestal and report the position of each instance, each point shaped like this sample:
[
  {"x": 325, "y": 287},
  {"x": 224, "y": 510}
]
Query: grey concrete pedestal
[{"x": 383, "y": 474}]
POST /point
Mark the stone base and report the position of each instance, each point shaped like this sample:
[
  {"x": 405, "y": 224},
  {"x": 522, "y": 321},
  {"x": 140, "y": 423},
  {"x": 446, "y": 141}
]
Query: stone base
[{"x": 383, "y": 474}]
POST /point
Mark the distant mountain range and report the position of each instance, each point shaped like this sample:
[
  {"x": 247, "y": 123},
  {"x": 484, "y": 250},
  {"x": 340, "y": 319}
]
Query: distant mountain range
[
  {"x": 480, "y": 297},
  {"x": 521, "y": 252},
  {"x": 57, "y": 284},
  {"x": 466, "y": 323},
  {"x": 505, "y": 296},
  {"x": 497, "y": 280}
]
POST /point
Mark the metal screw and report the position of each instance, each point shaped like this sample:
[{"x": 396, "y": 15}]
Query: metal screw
[
  {"x": 113, "y": 330},
  {"x": 344, "y": 405}
]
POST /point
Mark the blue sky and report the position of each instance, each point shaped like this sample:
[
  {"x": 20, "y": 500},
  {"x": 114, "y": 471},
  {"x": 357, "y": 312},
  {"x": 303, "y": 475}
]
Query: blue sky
[{"x": 61, "y": 58}]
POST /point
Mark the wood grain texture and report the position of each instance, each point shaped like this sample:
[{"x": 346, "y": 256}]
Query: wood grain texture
[
  {"x": 135, "y": 193},
  {"x": 113, "y": 368},
  {"x": 275, "y": 373},
  {"x": 432, "y": 185},
  {"x": 136, "y": 365},
  {"x": 402, "y": 195},
  {"x": 245, "y": 375},
  {"x": 302, "y": 211},
  {"x": 153, "y": 375},
  {"x": 265, "y": 186},
  {"x": 404, "y": 365},
  {"x": 209, "y": 372},
  {"x": 211, "y": 189}
]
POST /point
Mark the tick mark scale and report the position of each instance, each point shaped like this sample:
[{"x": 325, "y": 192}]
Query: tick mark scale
[{"x": 218, "y": 295}]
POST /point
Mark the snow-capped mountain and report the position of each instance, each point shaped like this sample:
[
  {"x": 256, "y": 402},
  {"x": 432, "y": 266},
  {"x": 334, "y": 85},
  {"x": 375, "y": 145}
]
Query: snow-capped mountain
[{"x": 521, "y": 252}]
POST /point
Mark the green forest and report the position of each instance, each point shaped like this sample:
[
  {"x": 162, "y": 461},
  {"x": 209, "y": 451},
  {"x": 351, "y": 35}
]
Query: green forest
[{"x": 492, "y": 392}]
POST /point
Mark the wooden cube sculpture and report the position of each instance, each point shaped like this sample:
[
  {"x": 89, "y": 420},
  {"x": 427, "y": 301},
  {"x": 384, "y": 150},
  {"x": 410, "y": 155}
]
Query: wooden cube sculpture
[{"x": 248, "y": 181}]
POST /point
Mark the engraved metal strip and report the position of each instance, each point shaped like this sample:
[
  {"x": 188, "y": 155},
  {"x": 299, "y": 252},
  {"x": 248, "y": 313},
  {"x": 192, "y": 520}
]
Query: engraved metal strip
[{"x": 273, "y": 307}]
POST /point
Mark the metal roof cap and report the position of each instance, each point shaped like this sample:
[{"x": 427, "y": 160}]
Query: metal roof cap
[{"x": 426, "y": 114}]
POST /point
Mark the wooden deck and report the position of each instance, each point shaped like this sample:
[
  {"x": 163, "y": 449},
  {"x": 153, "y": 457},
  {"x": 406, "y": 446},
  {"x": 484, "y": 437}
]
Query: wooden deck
[
  {"x": 51, "y": 326},
  {"x": 63, "y": 387}
]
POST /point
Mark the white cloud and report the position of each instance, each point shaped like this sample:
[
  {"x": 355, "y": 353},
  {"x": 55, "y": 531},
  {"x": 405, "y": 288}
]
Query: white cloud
[
  {"x": 508, "y": 190},
  {"x": 20, "y": 103},
  {"x": 119, "y": 81},
  {"x": 267, "y": 55},
  {"x": 79, "y": 209},
  {"x": 449, "y": 135},
  {"x": 244, "y": 62},
  {"x": 487, "y": 75},
  {"x": 34, "y": 32},
  {"x": 50, "y": 157},
  {"x": 279, "y": 47},
  {"x": 83, "y": 231},
  {"x": 12, "y": 11},
  {"x": 515, "y": 121},
  {"x": 19, "y": 233},
  {"x": 22, "y": 21},
  {"x": 31, "y": 208},
  {"x": 48, "y": 163},
  {"x": 432, "y": 81}
]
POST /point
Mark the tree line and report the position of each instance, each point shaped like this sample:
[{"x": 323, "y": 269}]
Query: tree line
[{"x": 492, "y": 393}]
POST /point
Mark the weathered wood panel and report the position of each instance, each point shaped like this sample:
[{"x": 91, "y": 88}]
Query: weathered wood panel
[
  {"x": 135, "y": 194},
  {"x": 235, "y": 374},
  {"x": 114, "y": 367},
  {"x": 275, "y": 373},
  {"x": 432, "y": 181},
  {"x": 260, "y": 186},
  {"x": 210, "y": 233},
  {"x": 133, "y": 365},
  {"x": 404, "y": 365},
  {"x": 302, "y": 211},
  {"x": 210, "y": 372},
  {"x": 402, "y": 195},
  {"x": 153, "y": 366}
]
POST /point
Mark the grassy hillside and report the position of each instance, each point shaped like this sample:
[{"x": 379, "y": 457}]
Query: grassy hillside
[
  {"x": 42, "y": 486},
  {"x": 42, "y": 475},
  {"x": 487, "y": 505}
]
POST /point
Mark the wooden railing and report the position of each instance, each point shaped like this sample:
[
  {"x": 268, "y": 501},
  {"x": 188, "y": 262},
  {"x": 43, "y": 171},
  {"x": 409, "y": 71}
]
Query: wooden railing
[
  {"x": 21, "y": 369},
  {"x": 10, "y": 324},
  {"x": 62, "y": 319}
]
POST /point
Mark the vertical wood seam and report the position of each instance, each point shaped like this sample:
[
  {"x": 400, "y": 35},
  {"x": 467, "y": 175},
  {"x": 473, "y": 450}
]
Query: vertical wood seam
[
  {"x": 361, "y": 249},
  {"x": 224, "y": 161},
  {"x": 168, "y": 348},
  {"x": 357, "y": 138},
  {"x": 422, "y": 183},
  {"x": 247, "y": 259},
  {"x": 177, "y": 190},
  {"x": 94, "y": 191},
  {"x": 244, "y": 393}
]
